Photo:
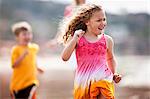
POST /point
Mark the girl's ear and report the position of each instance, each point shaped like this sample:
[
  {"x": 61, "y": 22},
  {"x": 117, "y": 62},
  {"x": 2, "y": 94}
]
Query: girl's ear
[{"x": 87, "y": 22}]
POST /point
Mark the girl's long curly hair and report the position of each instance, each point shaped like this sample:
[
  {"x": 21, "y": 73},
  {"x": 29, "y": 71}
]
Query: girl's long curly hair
[{"x": 78, "y": 19}]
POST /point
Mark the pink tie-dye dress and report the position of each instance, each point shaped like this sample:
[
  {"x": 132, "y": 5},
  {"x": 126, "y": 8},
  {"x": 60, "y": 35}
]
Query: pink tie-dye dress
[{"x": 91, "y": 66}]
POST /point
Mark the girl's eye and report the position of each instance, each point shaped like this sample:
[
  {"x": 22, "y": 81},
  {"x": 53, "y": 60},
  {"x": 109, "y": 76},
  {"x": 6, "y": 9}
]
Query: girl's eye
[
  {"x": 99, "y": 20},
  {"x": 104, "y": 19}
]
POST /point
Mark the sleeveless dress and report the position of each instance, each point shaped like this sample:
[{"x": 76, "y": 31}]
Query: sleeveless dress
[{"x": 91, "y": 67}]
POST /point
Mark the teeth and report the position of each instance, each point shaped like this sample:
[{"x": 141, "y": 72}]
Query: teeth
[{"x": 99, "y": 28}]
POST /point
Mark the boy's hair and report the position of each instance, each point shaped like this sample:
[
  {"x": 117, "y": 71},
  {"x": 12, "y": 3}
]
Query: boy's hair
[
  {"x": 21, "y": 26},
  {"x": 77, "y": 21}
]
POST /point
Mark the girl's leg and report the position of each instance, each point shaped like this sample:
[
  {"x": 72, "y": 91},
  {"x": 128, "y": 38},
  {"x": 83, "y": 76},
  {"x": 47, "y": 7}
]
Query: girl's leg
[
  {"x": 97, "y": 97},
  {"x": 101, "y": 97},
  {"x": 103, "y": 88},
  {"x": 94, "y": 98}
]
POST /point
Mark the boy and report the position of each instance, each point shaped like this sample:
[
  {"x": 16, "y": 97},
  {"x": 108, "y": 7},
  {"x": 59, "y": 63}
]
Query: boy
[{"x": 23, "y": 58}]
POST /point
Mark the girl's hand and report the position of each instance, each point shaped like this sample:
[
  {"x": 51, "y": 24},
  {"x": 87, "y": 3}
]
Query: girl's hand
[
  {"x": 117, "y": 78},
  {"x": 79, "y": 33}
]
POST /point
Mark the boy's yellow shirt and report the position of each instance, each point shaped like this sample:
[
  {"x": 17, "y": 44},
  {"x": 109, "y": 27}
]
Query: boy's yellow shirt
[{"x": 25, "y": 73}]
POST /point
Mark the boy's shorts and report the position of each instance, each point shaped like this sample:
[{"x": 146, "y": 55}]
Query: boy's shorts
[
  {"x": 104, "y": 88},
  {"x": 26, "y": 93}
]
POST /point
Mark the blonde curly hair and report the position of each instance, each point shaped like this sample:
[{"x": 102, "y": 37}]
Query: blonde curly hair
[{"x": 78, "y": 19}]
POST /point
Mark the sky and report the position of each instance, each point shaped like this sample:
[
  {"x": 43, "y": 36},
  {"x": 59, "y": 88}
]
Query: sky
[{"x": 117, "y": 6}]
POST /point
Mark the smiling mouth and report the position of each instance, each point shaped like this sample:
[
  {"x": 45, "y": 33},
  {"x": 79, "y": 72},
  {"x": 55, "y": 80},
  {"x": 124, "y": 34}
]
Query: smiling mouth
[{"x": 100, "y": 28}]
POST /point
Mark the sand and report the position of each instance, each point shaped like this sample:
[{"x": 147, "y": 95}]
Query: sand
[{"x": 57, "y": 82}]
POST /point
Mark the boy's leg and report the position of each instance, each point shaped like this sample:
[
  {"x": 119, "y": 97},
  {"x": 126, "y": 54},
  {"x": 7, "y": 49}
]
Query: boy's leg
[
  {"x": 32, "y": 94},
  {"x": 12, "y": 95}
]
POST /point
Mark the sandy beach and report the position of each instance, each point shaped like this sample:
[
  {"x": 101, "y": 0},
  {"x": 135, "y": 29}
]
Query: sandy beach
[{"x": 57, "y": 81}]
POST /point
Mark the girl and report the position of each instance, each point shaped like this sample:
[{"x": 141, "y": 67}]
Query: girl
[{"x": 94, "y": 53}]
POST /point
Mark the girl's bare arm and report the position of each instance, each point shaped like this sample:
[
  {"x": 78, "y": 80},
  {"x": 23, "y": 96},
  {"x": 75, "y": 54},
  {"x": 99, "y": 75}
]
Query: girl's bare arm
[
  {"x": 110, "y": 54},
  {"x": 71, "y": 45},
  {"x": 69, "y": 48}
]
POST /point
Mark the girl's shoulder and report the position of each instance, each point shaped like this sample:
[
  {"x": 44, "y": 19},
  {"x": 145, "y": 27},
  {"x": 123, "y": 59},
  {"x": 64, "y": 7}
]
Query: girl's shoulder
[{"x": 109, "y": 40}]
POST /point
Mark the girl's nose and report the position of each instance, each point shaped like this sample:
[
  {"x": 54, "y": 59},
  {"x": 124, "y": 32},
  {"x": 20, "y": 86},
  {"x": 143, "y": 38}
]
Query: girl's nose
[{"x": 104, "y": 23}]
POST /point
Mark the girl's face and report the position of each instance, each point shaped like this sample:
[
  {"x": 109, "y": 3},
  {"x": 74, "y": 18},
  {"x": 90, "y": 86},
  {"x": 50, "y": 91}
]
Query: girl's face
[
  {"x": 96, "y": 23},
  {"x": 24, "y": 37}
]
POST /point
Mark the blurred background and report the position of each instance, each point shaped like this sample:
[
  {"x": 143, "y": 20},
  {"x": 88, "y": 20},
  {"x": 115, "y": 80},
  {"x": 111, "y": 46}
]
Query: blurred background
[{"x": 128, "y": 23}]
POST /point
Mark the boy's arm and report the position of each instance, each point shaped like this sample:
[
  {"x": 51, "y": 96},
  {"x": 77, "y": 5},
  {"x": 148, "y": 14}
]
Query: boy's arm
[
  {"x": 110, "y": 55},
  {"x": 18, "y": 60},
  {"x": 40, "y": 70}
]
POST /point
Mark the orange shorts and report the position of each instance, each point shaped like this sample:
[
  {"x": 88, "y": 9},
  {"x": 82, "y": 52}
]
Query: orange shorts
[
  {"x": 104, "y": 88},
  {"x": 96, "y": 89},
  {"x": 80, "y": 93}
]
